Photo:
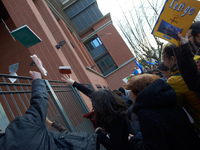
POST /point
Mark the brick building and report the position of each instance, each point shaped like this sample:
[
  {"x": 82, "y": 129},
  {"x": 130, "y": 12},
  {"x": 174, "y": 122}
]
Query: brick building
[{"x": 94, "y": 49}]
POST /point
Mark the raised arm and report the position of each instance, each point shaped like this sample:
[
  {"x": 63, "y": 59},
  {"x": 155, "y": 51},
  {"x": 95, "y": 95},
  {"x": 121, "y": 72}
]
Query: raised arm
[
  {"x": 37, "y": 111},
  {"x": 85, "y": 90},
  {"x": 187, "y": 65},
  {"x": 56, "y": 125}
]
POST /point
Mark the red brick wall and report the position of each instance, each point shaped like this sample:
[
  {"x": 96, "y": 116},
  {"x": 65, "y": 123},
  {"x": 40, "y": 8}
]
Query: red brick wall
[
  {"x": 115, "y": 80},
  {"x": 114, "y": 43},
  {"x": 101, "y": 23},
  {"x": 26, "y": 12},
  {"x": 13, "y": 52},
  {"x": 79, "y": 47},
  {"x": 39, "y": 18}
]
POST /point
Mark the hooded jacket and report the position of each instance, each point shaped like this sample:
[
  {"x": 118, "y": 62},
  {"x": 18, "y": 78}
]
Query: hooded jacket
[
  {"x": 164, "y": 124},
  {"x": 29, "y": 132}
]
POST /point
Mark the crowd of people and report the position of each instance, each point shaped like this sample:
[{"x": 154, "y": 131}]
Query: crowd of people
[{"x": 157, "y": 110}]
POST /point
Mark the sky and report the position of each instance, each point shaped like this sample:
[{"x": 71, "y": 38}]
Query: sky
[{"x": 112, "y": 6}]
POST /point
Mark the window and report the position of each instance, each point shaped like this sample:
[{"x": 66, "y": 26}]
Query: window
[
  {"x": 83, "y": 13},
  {"x": 93, "y": 44},
  {"x": 3, "y": 119},
  {"x": 106, "y": 64},
  {"x": 98, "y": 87}
]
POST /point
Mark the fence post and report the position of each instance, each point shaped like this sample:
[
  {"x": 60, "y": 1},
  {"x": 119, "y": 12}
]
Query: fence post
[
  {"x": 60, "y": 107},
  {"x": 81, "y": 101}
]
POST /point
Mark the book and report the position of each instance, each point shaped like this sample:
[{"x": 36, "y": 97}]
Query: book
[
  {"x": 65, "y": 70},
  {"x": 39, "y": 64},
  {"x": 13, "y": 68},
  {"x": 176, "y": 16},
  {"x": 26, "y": 36}
]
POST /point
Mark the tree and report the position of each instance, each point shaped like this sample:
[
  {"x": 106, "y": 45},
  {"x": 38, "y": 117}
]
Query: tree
[{"x": 136, "y": 26}]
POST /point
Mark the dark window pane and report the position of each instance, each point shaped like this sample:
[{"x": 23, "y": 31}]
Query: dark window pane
[
  {"x": 102, "y": 64},
  {"x": 109, "y": 62}
]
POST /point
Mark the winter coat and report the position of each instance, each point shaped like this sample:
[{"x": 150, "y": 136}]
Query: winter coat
[
  {"x": 29, "y": 132},
  {"x": 164, "y": 124},
  {"x": 118, "y": 130},
  {"x": 185, "y": 97},
  {"x": 128, "y": 101},
  {"x": 187, "y": 66},
  {"x": 134, "y": 121}
]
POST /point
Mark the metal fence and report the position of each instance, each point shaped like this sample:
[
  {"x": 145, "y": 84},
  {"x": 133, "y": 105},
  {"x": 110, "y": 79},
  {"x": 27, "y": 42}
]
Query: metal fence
[{"x": 66, "y": 106}]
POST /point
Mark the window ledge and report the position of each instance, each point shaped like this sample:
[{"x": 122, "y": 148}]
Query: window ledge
[{"x": 92, "y": 70}]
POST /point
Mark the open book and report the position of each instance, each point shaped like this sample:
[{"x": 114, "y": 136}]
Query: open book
[
  {"x": 176, "y": 16},
  {"x": 26, "y": 36}
]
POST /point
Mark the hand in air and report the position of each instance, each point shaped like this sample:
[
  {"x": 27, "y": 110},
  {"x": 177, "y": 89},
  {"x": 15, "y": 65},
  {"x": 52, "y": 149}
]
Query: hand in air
[
  {"x": 35, "y": 75},
  {"x": 67, "y": 79},
  {"x": 183, "y": 40}
]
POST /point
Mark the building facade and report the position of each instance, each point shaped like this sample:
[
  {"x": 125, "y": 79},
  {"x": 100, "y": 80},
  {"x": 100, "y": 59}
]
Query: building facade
[{"x": 93, "y": 47}]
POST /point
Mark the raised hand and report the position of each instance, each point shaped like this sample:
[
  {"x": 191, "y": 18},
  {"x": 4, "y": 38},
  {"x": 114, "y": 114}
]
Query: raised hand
[
  {"x": 183, "y": 40},
  {"x": 35, "y": 75},
  {"x": 67, "y": 79}
]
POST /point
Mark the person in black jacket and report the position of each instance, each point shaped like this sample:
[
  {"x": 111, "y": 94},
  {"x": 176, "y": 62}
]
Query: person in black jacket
[
  {"x": 110, "y": 112},
  {"x": 128, "y": 101},
  {"x": 189, "y": 46},
  {"x": 186, "y": 64},
  {"x": 164, "y": 124},
  {"x": 29, "y": 132}
]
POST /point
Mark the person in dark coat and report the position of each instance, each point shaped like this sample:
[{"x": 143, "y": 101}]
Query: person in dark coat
[
  {"x": 128, "y": 101},
  {"x": 186, "y": 64},
  {"x": 110, "y": 112},
  {"x": 164, "y": 124},
  {"x": 29, "y": 132},
  {"x": 165, "y": 71}
]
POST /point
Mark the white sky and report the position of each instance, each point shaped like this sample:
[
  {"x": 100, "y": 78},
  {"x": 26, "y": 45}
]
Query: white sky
[{"x": 112, "y": 6}]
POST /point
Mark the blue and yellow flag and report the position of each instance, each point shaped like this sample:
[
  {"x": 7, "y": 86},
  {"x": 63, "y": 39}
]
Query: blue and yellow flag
[{"x": 176, "y": 16}]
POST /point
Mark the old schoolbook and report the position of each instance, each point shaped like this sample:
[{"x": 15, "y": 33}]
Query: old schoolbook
[{"x": 26, "y": 36}]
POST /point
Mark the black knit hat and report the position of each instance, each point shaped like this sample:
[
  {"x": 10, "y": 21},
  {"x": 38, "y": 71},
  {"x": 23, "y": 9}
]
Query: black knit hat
[
  {"x": 121, "y": 89},
  {"x": 195, "y": 28}
]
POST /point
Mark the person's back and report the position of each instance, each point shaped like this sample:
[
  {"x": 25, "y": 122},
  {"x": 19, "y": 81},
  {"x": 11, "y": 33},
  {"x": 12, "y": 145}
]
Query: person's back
[
  {"x": 29, "y": 132},
  {"x": 110, "y": 111},
  {"x": 168, "y": 126},
  {"x": 185, "y": 97},
  {"x": 118, "y": 131},
  {"x": 164, "y": 124}
]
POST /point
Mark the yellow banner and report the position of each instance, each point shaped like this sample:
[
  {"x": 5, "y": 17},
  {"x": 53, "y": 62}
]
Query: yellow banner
[{"x": 176, "y": 16}]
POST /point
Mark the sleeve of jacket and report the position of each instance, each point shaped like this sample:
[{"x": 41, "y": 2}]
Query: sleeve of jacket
[
  {"x": 112, "y": 143},
  {"x": 37, "y": 111},
  {"x": 116, "y": 131},
  {"x": 85, "y": 90},
  {"x": 188, "y": 67},
  {"x": 59, "y": 127}
]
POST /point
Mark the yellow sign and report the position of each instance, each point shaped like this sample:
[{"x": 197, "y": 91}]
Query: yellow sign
[{"x": 176, "y": 16}]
